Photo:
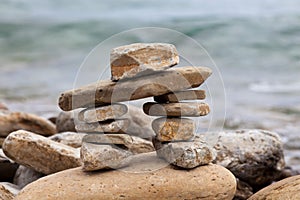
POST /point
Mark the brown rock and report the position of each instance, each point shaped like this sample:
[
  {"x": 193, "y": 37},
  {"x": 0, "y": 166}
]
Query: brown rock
[
  {"x": 13, "y": 121},
  {"x": 8, "y": 191},
  {"x": 25, "y": 175},
  {"x": 180, "y": 96},
  {"x": 8, "y": 168},
  {"x": 103, "y": 113},
  {"x": 189, "y": 109},
  {"x": 1, "y": 141},
  {"x": 141, "y": 59},
  {"x": 72, "y": 139},
  {"x": 40, "y": 153},
  {"x": 285, "y": 189},
  {"x": 173, "y": 129},
  {"x": 206, "y": 183},
  {"x": 65, "y": 122},
  {"x": 116, "y": 126},
  {"x": 106, "y": 92}
]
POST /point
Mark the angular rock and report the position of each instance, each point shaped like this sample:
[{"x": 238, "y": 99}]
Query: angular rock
[
  {"x": 72, "y": 139},
  {"x": 96, "y": 156},
  {"x": 206, "y": 183},
  {"x": 141, "y": 59},
  {"x": 133, "y": 144},
  {"x": 243, "y": 190},
  {"x": 188, "y": 109},
  {"x": 13, "y": 121},
  {"x": 253, "y": 156},
  {"x": 103, "y": 113},
  {"x": 173, "y": 129},
  {"x": 65, "y": 122},
  {"x": 40, "y": 153},
  {"x": 116, "y": 126},
  {"x": 8, "y": 191},
  {"x": 8, "y": 168},
  {"x": 185, "y": 154},
  {"x": 285, "y": 189},
  {"x": 25, "y": 175},
  {"x": 106, "y": 92},
  {"x": 180, "y": 96}
]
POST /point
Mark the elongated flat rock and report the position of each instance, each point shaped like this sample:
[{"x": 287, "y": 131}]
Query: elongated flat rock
[
  {"x": 141, "y": 58},
  {"x": 106, "y": 92},
  {"x": 174, "y": 129},
  {"x": 103, "y": 113},
  {"x": 188, "y": 109},
  {"x": 180, "y": 96},
  {"x": 116, "y": 126}
]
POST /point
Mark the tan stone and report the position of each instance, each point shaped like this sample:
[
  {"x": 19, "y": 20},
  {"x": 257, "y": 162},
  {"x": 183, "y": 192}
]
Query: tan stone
[
  {"x": 141, "y": 59},
  {"x": 40, "y": 153},
  {"x": 285, "y": 189},
  {"x": 13, "y": 121},
  {"x": 180, "y": 96},
  {"x": 25, "y": 175},
  {"x": 206, "y": 182},
  {"x": 188, "y": 109},
  {"x": 133, "y": 144},
  {"x": 173, "y": 129},
  {"x": 72, "y": 139},
  {"x": 103, "y": 113},
  {"x": 106, "y": 92},
  {"x": 1, "y": 141},
  {"x": 116, "y": 126},
  {"x": 8, "y": 191}
]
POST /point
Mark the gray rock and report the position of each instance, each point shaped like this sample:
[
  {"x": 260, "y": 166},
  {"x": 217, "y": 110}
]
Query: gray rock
[
  {"x": 243, "y": 190},
  {"x": 8, "y": 191},
  {"x": 116, "y": 126},
  {"x": 65, "y": 122},
  {"x": 180, "y": 96},
  {"x": 141, "y": 59},
  {"x": 25, "y": 175},
  {"x": 72, "y": 139}
]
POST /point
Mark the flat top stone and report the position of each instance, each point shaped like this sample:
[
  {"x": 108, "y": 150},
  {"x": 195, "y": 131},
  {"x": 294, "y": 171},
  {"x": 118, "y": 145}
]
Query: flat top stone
[
  {"x": 106, "y": 92},
  {"x": 180, "y": 96},
  {"x": 116, "y": 126}
]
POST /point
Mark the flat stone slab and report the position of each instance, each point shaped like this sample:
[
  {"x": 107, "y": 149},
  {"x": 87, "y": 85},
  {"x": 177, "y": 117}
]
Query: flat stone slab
[
  {"x": 116, "y": 126},
  {"x": 173, "y": 129},
  {"x": 141, "y": 58},
  {"x": 188, "y": 109},
  {"x": 73, "y": 139},
  {"x": 107, "y": 92},
  {"x": 181, "y": 96}
]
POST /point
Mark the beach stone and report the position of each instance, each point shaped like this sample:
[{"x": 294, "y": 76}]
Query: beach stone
[
  {"x": 65, "y": 122},
  {"x": 133, "y": 144},
  {"x": 285, "y": 189},
  {"x": 206, "y": 183},
  {"x": 254, "y": 156},
  {"x": 185, "y": 154},
  {"x": 13, "y": 121},
  {"x": 188, "y": 109},
  {"x": 8, "y": 168},
  {"x": 103, "y": 113},
  {"x": 72, "y": 139},
  {"x": 116, "y": 126},
  {"x": 180, "y": 96},
  {"x": 106, "y": 91},
  {"x": 96, "y": 156},
  {"x": 40, "y": 153},
  {"x": 1, "y": 141},
  {"x": 243, "y": 190},
  {"x": 25, "y": 175},
  {"x": 173, "y": 129},
  {"x": 8, "y": 191},
  {"x": 141, "y": 59}
]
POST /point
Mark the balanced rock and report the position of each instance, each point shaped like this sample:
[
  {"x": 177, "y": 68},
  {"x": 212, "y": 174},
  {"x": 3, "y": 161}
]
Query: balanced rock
[
  {"x": 8, "y": 191},
  {"x": 116, "y": 126},
  {"x": 72, "y": 139},
  {"x": 25, "y": 175},
  {"x": 40, "y": 153},
  {"x": 103, "y": 113},
  {"x": 8, "y": 168},
  {"x": 65, "y": 122},
  {"x": 180, "y": 96},
  {"x": 13, "y": 121},
  {"x": 173, "y": 129},
  {"x": 206, "y": 183},
  {"x": 106, "y": 92},
  {"x": 141, "y": 59},
  {"x": 189, "y": 109}
]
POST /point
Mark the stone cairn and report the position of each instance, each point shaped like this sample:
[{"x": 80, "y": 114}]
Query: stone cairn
[{"x": 138, "y": 71}]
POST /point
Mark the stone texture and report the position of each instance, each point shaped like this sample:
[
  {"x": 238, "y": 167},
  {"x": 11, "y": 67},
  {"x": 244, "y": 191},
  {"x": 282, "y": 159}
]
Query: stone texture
[
  {"x": 96, "y": 156},
  {"x": 106, "y": 92},
  {"x": 72, "y": 139},
  {"x": 8, "y": 191},
  {"x": 12, "y": 121},
  {"x": 116, "y": 126},
  {"x": 103, "y": 113},
  {"x": 243, "y": 190},
  {"x": 173, "y": 129},
  {"x": 141, "y": 58},
  {"x": 180, "y": 96},
  {"x": 65, "y": 122},
  {"x": 253, "y": 156},
  {"x": 8, "y": 168},
  {"x": 185, "y": 154},
  {"x": 25, "y": 175},
  {"x": 40, "y": 153},
  {"x": 1, "y": 141},
  {"x": 188, "y": 109},
  {"x": 133, "y": 144},
  {"x": 288, "y": 188},
  {"x": 206, "y": 183}
]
